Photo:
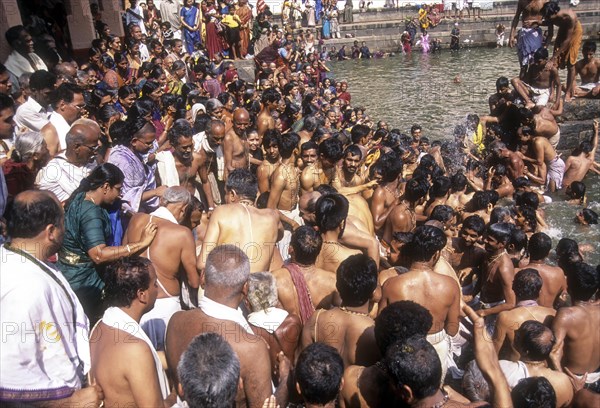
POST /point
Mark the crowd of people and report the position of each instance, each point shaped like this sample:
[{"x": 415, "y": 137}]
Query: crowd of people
[{"x": 176, "y": 236}]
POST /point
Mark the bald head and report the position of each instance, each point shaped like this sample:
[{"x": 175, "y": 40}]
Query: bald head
[
  {"x": 66, "y": 69},
  {"x": 241, "y": 121},
  {"x": 82, "y": 141}
]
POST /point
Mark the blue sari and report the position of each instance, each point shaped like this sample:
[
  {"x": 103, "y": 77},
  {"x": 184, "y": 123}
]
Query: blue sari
[{"x": 191, "y": 37}]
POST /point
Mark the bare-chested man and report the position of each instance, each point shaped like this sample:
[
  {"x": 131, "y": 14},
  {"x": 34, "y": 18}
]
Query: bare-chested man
[
  {"x": 568, "y": 41},
  {"x": 181, "y": 166},
  {"x": 582, "y": 159},
  {"x": 308, "y": 154},
  {"x": 355, "y": 234},
  {"x": 271, "y": 161},
  {"x": 255, "y": 231},
  {"x": 503, "y": 97},
  {"x": 530, "y": 35},
  {"x": 588, "y": 69},
  {"x": 301, "y": 286},
  {"x": 331, "y": 211},
  {"x": 308, "y": 129},
  {"x": 270, "y": 100},
  {"x": 437, "y": 293},
  {"x": 512, "y": 160},
  {"x": 549, "y": 168},
  {"x": 285, "y": 185},
  {"x": 577, "y": 345},
  {"x": 497, "y": 275},
  {"x": 348, "y": 328},
  {"x": 403, "y": 217},
  {"x": 458, "y": 191},
  {"x": 540, "y": 83},
  {"x": 226, "y": 284},
  {"x": 173, "y": 253},
  {"x": 370, "y": 386},
  {"x": 235, "y": 145},
  {"x": 466, "y": 256},
  {"x": 211, "y": 166},
  {"x": 554, "y": 289},
  {"x": 118, "y": 340},
  {"x": 388, "y": 193},
  {"x": 543, "y": 121},
  {"x": 526, "y": 285}
]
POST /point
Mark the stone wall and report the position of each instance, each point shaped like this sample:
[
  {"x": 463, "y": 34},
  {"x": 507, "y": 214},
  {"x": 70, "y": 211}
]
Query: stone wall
[{"x": 576, "y": 122}]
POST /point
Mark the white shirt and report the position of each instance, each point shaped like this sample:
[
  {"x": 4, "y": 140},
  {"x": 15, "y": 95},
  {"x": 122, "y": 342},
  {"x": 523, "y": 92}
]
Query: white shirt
[
  {"x": 30, "y": 116},
  {"x": 144, "y": 53},
  {"x": 18, "y": 65},
  {"x": 62, "y": 128},
  {"x": 61, "y": 177},
  {"x": 44, "y": 353}
]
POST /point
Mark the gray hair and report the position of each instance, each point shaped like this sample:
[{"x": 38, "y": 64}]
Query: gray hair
[
  {"x": 86, "y": 122},
  {"x": 176, "y": 194},
  {"x": 474, "y": 384},
  {"x": 209, "y": 372},
  {"x": 26, "y": 145},
  {"x": 262, "y": 291},
  {"x": 227, "y": 266},
  {"x": 212, "y": 104}
]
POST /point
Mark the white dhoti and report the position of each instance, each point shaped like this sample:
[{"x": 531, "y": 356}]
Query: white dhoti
[
  {"x": 284, "y": 243},
  {"x": 441, "y": 343},
  {"x": 539, "y": 95},
  {"x": 154, "y": 323},
  {"x": 555, "y": 139}
]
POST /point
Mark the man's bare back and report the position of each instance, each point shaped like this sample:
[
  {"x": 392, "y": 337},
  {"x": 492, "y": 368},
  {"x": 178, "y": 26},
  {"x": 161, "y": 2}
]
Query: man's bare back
[
  {"x": 321, "y": 286},
  {"x": 332, "y": 255},
  {"x": 554, "y": 283},
  {"x": 255, "y": 231}
]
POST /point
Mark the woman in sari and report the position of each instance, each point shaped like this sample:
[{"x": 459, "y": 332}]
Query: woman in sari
[
  {"x": 190, "y": 23},
  {"x": 214, "y": 44},
  {"x": 85, "y": 253},
  {"x": 244, "y": 12},
  {"x": 326, "y": 30}
]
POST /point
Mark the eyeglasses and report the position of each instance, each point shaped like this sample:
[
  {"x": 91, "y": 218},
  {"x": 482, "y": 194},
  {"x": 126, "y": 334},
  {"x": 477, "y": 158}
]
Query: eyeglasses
[{"x": 92, "y": 148}]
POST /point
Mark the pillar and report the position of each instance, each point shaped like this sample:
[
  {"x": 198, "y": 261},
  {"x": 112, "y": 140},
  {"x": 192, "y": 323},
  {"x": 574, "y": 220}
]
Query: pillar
[
  {"x": 9, "y": 16},
  {"x": 80, "y": 23}
]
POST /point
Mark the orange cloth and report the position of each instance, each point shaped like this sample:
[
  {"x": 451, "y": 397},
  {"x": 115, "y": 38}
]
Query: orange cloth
[{"x": 570, "y": 56}]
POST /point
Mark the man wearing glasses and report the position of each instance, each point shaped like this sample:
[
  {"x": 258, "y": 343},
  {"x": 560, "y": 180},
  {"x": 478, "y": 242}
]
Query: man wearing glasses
[
  {"x": 64, "y": 172},
  {"x": 67, "y": 102}
]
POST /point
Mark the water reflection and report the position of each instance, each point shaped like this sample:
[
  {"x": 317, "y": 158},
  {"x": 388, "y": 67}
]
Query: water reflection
[{"x": 420, "y": 88}]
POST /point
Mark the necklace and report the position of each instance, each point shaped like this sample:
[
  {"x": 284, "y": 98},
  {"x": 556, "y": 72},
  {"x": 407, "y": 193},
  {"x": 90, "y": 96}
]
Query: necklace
[
  {"x": 352, "y": 312},
  {"x": 395, "y": 192},
  {"x": 496, "y": 257},
  {"x": 246, "y": 203},
  {"x": 331, "y": 242},
  {"x": 91, "y": 199}
]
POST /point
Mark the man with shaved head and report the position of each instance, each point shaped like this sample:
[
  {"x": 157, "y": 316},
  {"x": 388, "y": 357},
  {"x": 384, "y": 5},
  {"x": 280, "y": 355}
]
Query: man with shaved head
[
  {"x": 235, "y": 148},
  {"x": 64, "y": 172}
]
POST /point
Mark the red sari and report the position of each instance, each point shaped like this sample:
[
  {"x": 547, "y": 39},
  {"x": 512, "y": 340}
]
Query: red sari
[
  {"x": 214, "y": 43},
  {"x": 245, "y": 15}
]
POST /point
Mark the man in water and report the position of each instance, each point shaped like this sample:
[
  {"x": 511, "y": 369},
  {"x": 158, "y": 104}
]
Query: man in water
[
  {"x": 582, "y": 159},
  {"x": 549, "y": 167}
]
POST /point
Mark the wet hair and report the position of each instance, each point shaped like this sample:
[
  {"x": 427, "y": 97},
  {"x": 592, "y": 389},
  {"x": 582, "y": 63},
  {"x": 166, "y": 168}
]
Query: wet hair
[
  {"x": 307, "y": 244},
  {"x": 582, "y": 281},
  {"x": 442, "y": 213},
  {"x": 356, "y": 279},
  {"x": 262, "y": 291},
  {"x": 539, "y": 246},
  {"x": 501, "y": 82},
  {"x": 326, "y": 189},
  {"x": 331, "y": 149},
  {"x": 399, "y": 321},
  {"x": 243, "y": 182},
  {"x": 474, "y": 384},
  {"x": 589, "y": 216},
  {"x": 458, "y": 182},
  {"x": 427, "y": 240},
  {"x": 414, "y": 363},
  {"x": 358, "y": 132},
  {"x": 577, "y": 190},
  {"x": 518, "y": 239},
  {"x": 567, "y": 253},
  {"x": 415, "y": 127},
  {"x": 28, "y": 217},
  {"x": 549, "y": 9},
  {"x": 287, "y": 143},
  {"x": 521, "y": 182},
  {"x": 42, "y": 79},
  {"x": 330, "y": 211},
  {"x": 353, "y": 150},
  {"x": 534, "y": 392},
  {"x": 528, "y": 198},
  {"x": 500, "y": 231},
  {"x": 124, "y": 278},
  {"x": 535, "y": 339},
  {"x": 589, "y": 46},
  {"x": 310, "y": 145},
  {"x": 181, "y": 128},
  {"x": 481, "y": 199},
  {"x": 415, "y": 189},
  {"x": 530, "y": 216},
  {"x": 527, "y": 284},
  {"x": 209, "y": 372},
  {"x": 270, "y": 137},
  {"x": 498, "y": 214},
  {"x": 440, "y": 186},
  {"x": 319, "y": 372},
  {"x": 475, "y": 223},
  {"x": 391, "y": 167},
  {"x": 104, "y": 173}
]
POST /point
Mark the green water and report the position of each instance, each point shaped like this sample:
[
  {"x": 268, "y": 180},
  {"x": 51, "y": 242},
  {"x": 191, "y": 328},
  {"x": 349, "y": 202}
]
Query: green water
[{"x": 420, "y": 88}]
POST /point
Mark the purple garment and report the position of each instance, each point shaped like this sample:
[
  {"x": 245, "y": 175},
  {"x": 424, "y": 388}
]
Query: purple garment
[{"x": 139, "y": 177}]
